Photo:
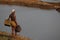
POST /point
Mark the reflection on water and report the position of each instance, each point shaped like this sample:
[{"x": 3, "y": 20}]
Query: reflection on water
[{"x": 37, "y": 24}]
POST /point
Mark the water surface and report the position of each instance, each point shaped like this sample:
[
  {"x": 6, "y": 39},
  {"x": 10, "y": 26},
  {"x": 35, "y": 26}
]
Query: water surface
[{"x": 36, "y": 23}]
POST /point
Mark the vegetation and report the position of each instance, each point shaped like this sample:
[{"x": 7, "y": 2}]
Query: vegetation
[{"x": 7, "y": 36}]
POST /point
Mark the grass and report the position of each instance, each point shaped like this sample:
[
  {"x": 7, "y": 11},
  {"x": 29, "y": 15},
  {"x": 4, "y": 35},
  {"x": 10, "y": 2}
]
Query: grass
[{"x": 7, "y": 36}]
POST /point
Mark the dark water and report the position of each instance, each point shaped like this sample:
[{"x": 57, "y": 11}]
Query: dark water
[{"x": 36, "y": 23}]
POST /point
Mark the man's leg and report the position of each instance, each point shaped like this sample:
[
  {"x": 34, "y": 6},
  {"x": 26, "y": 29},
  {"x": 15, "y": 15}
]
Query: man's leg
[
  {"x": 15, "y": 33},
  {"x": 13, "y": 29}
]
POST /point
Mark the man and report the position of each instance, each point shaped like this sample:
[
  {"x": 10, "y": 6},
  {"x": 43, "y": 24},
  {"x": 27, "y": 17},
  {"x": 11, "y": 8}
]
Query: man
[{"x": 12, "y": 17}]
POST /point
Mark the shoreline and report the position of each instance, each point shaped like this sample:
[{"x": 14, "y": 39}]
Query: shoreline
[
  {"x": 8, "y": 36},
  {"x": 35, "y": 4}
]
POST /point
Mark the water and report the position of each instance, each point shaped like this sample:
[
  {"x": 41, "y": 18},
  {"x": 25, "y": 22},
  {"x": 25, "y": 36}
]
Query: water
[
  {"x": 36, "y": 23},
  {"x": 51, "y": 0}
]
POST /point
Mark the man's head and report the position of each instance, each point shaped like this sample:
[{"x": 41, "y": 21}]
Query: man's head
[{"x": 13, "y": 11}]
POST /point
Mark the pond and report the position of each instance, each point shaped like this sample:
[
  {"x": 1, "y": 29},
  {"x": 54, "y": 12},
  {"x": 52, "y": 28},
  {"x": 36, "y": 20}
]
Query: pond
[
  {"x": 36, "y": 24},
  {"x": 51, "y": 0}
]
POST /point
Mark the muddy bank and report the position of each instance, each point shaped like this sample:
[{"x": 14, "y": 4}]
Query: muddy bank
[
  {"x": 7, "y": 36},
  {"x": 32, "y": 3}
]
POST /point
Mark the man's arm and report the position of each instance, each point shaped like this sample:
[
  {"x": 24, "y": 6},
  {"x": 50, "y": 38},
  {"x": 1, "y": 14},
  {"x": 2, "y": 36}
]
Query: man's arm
[{"x": 15, "y": 19}]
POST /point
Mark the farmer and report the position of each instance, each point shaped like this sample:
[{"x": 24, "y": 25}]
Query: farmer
[{"x": 12, "y": 17}]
